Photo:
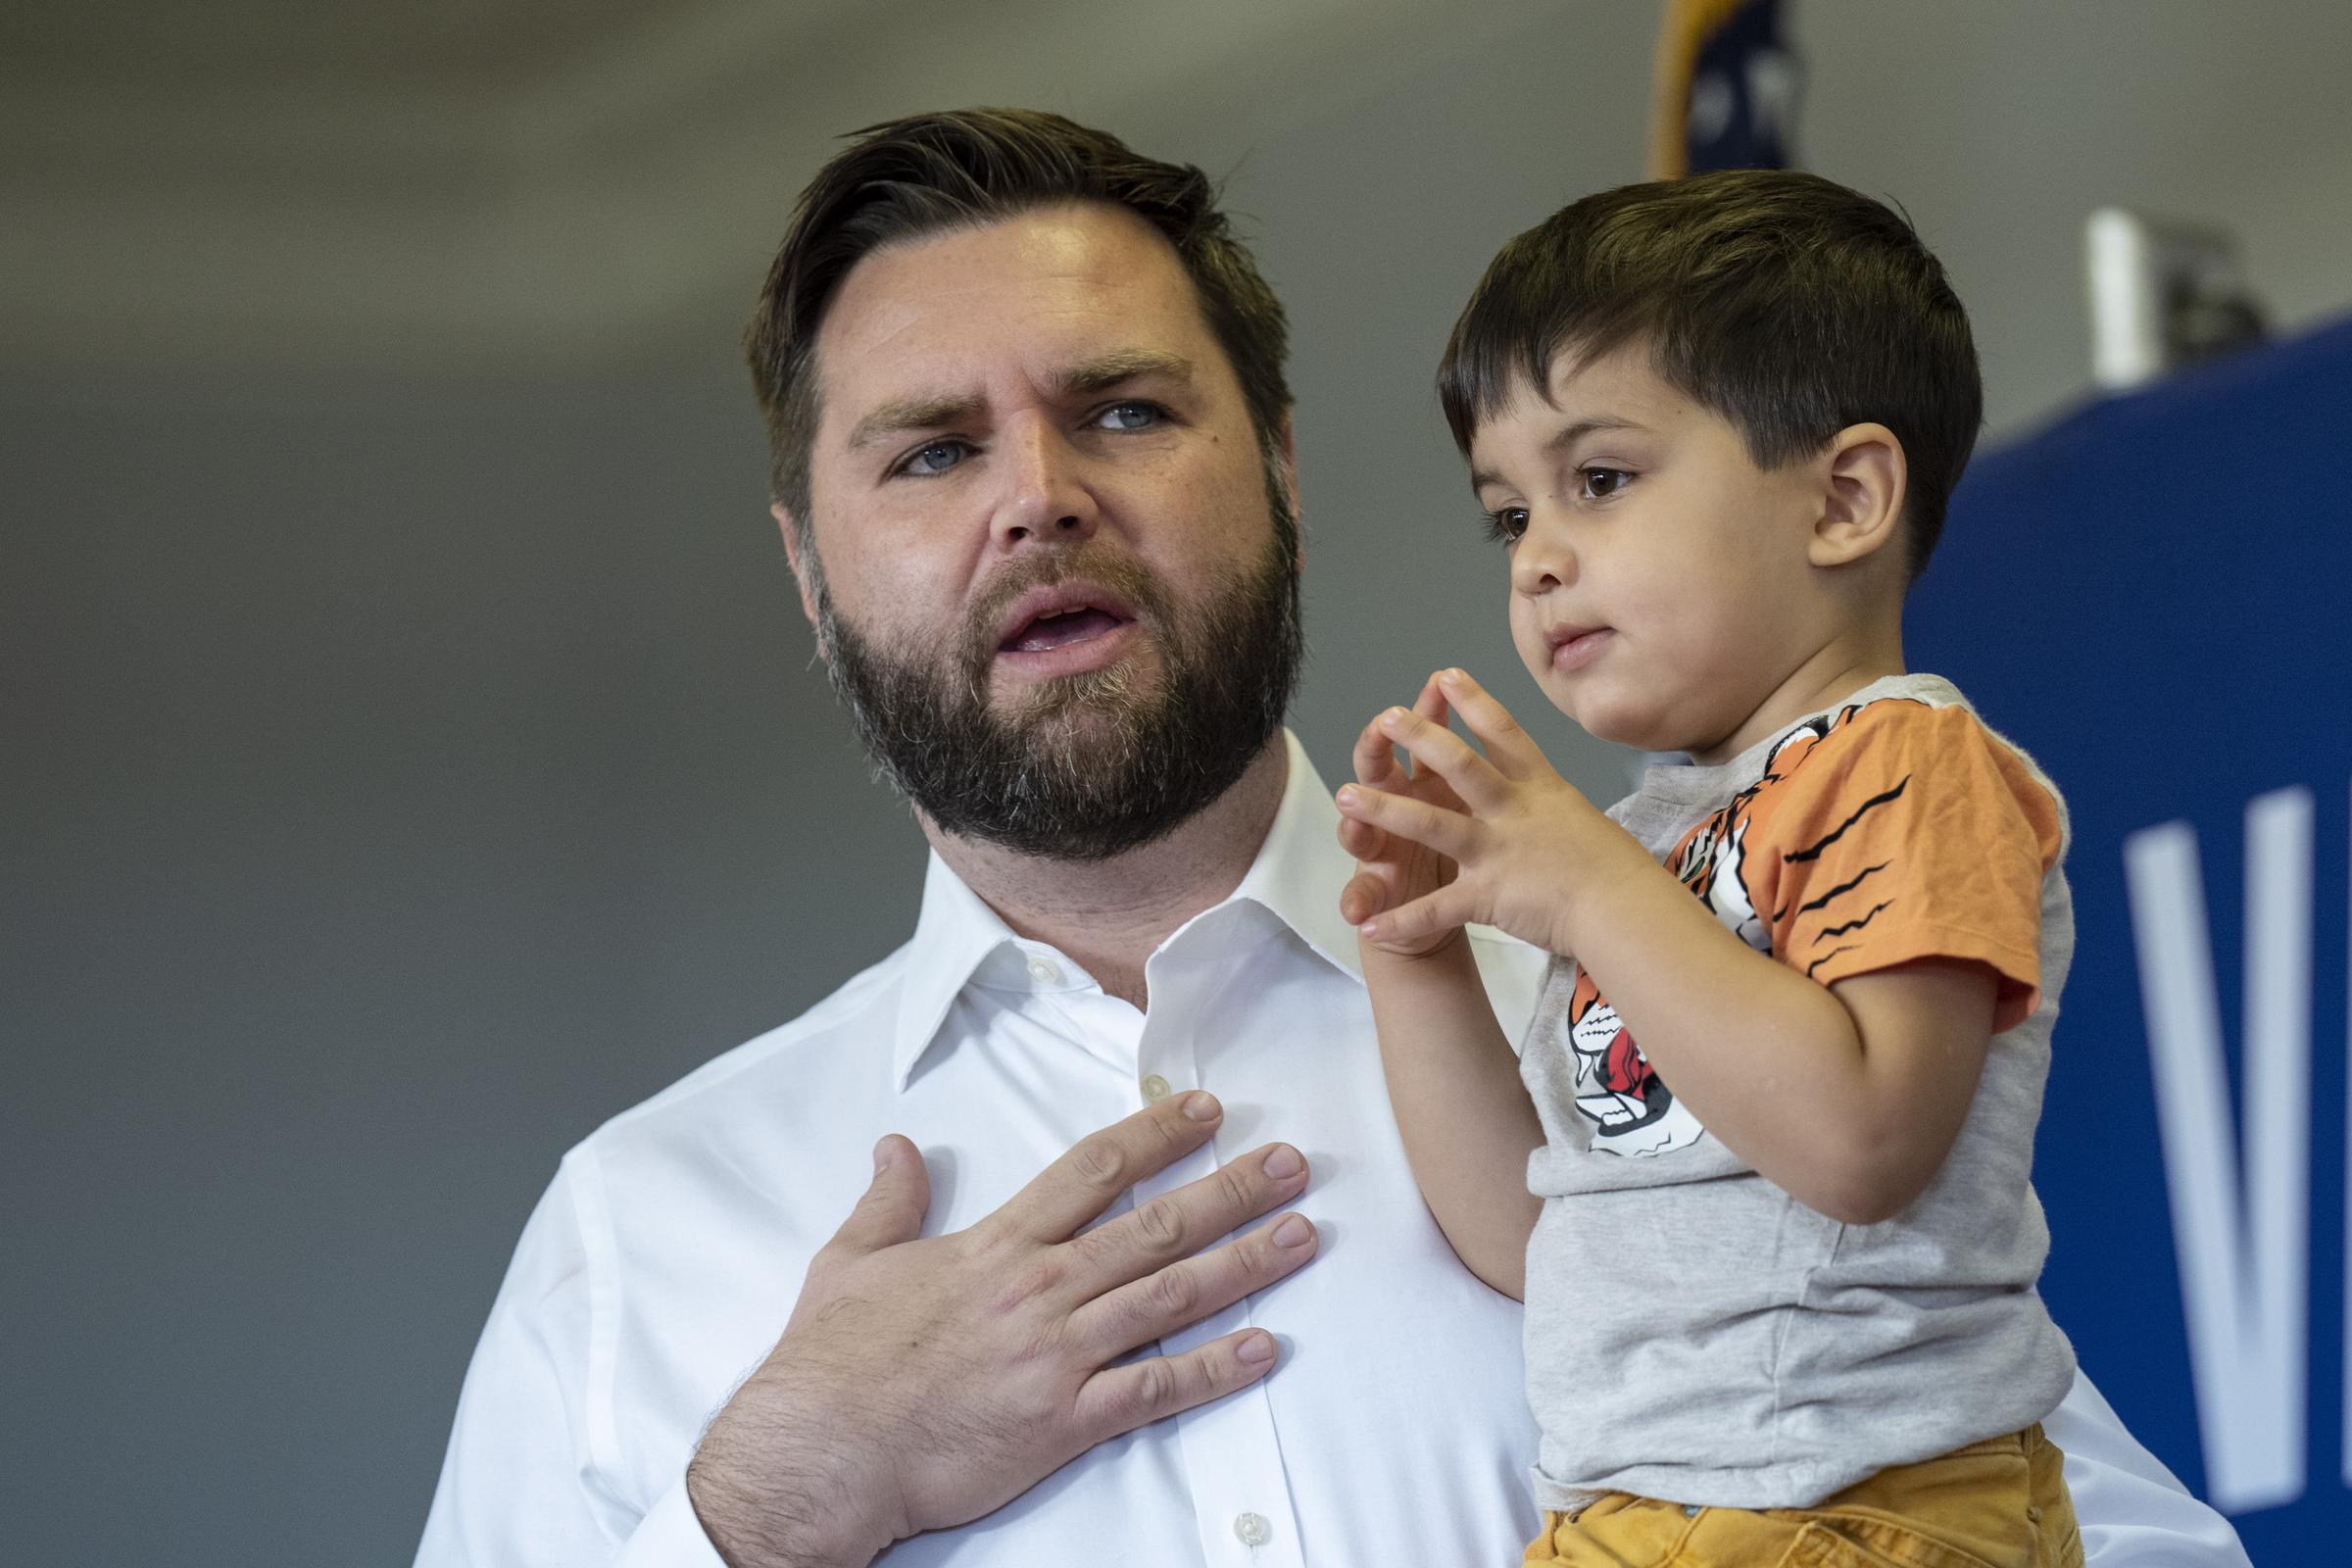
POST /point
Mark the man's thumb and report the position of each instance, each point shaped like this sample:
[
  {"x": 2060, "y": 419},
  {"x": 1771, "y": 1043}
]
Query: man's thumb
[{"x": 892, "y": 1208}]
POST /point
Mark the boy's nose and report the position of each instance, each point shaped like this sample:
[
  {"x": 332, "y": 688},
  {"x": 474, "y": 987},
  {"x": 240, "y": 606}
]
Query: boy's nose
[
  {"x": 1542, "y": 562},
  {"x": 1045, "y": 496}
]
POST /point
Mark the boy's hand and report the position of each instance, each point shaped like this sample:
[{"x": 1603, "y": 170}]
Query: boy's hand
[
  {"x": 1516, "y": 846},
  {"x": 1391, "y": 871}
]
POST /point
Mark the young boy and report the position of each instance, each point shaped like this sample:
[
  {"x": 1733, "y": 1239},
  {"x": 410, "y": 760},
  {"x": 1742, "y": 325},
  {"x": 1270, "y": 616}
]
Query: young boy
[{"x": 1773, "y": 1139}]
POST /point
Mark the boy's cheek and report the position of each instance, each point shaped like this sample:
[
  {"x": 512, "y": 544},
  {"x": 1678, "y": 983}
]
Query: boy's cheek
[
  {"x": 1535, "y": 656},
  {"x": 1530, "y": 643}
]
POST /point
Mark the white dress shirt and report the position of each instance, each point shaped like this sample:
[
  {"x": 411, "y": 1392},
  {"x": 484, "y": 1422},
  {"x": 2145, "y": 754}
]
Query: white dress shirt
[{"x": 662, "y": 1262}]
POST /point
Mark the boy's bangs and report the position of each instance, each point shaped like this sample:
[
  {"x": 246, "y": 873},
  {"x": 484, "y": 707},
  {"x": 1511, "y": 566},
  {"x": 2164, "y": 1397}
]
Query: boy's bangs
[{"x": 1520, "y": 323}]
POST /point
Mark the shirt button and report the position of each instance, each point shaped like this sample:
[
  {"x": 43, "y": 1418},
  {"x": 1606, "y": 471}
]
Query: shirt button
[
  {"x": 1156, "y": 1090},
  {"x": 1252, "y": 1529},
  {"x": 1691, "y": 1510},
  {"x": 1044, "y": 974}
]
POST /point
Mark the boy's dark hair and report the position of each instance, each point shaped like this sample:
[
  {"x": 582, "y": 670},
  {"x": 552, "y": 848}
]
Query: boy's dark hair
[
  {"x": 962, "y": 169},
  {"x": 1789, "y": 304}
]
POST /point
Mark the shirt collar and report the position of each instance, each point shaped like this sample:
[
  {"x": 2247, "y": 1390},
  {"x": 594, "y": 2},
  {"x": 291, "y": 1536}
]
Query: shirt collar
[
  {"x": 1295, "y": 877},
  {"x": 955, "y": 931},
  {"x": 1301, "y": 867}
]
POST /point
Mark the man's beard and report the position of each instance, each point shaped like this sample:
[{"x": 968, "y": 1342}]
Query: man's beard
[{"x": 1090, "y": 766}]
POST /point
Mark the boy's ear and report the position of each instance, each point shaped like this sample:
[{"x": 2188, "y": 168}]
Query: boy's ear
[
  {"x": 1862, "y": 504},
  {"x": 800, "y": 566}
]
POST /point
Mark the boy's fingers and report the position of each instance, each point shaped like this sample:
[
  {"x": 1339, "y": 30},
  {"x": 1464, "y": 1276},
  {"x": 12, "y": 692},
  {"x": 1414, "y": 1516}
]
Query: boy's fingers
[
  {"x": 1375, "y": 756},
  {"x": 1361, "y": 840},
  {"x": 1509, "y": 748},
  {"x": 1431, "y": 704},
  {"x": 1361, "y": 899},
  {"x": 1446, "y": 755},
  {"x": 1426, "y": 916},
  {"x": 1447, "y": 832}
]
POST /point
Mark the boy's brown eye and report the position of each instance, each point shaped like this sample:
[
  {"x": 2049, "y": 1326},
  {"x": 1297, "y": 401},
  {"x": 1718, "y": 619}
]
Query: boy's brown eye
[
  {"x": 1506, "y": 524},
  {"x": 1603, "y": 483}
]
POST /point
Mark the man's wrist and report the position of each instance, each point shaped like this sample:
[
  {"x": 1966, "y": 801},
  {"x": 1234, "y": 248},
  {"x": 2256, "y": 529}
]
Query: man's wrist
[{"x": 796, "y": 1520}]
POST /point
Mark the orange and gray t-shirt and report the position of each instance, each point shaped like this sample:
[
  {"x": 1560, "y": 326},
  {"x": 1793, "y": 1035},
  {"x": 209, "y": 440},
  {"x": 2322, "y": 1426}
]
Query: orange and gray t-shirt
[{"x": 1693, "y": 1332}]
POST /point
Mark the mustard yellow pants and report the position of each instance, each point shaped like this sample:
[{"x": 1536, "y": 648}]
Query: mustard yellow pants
[{"x": 1999, "y": 1504}]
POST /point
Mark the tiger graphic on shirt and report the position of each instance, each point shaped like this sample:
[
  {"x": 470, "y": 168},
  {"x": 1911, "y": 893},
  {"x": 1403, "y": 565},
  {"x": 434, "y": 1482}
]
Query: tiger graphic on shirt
[
  {"x": 1632, "y": 1110},
  {"x": 1816, "y": 869}
]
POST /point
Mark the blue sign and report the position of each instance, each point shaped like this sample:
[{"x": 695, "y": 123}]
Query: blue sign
[{"x": 2150, "y": 597}]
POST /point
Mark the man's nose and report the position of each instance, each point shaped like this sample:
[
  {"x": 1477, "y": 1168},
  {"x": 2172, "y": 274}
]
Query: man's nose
[
  {"x": 1046, "y": 496},
  {"x": 1544, "y": 560}
]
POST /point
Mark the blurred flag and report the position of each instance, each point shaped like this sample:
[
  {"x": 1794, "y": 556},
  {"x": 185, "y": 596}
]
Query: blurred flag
[{"x": 1727, "y": 88}]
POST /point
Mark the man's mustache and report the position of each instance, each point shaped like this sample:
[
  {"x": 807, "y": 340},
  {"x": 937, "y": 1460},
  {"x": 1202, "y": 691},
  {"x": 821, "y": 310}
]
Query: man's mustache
[{"x": 1122, "y": 575}]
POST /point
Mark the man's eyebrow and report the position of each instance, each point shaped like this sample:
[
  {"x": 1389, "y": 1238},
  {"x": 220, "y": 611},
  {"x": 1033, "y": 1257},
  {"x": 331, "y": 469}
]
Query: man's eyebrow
[
  {"x": 1560, "y": 441},
  {"x": 1102, "y": 373},
  {"x": 1085, "y": 379},
  {"x": 901, "y": 414}
]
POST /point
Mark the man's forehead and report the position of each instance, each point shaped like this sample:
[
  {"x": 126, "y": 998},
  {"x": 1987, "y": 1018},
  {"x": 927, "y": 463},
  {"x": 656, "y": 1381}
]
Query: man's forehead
[{"x": 1044, "y": 290}]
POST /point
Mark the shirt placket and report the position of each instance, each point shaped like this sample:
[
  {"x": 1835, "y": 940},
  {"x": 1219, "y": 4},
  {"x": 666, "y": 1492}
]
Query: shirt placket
[{"x": 1232, "y": 1458}]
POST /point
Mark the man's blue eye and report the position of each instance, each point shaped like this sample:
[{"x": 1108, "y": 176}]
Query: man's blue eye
[
  {"x": 937, "y": 458},
  {"x": 1130, "y": 416}
]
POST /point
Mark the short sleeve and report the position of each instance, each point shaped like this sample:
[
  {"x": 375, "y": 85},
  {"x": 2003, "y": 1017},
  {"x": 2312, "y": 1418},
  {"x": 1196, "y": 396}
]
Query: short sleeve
[{"x": 1906, "y": 832}]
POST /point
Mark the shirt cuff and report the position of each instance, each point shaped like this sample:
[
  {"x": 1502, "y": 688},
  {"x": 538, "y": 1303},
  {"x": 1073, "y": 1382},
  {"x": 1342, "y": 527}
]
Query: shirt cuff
[{"x": 669, "y": 1536}]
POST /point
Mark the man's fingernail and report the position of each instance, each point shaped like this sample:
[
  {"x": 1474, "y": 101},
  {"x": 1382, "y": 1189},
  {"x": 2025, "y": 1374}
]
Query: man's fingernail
[
  {"x": 1293, "y": 1232},
  {"x": 1257, "y": 1349},
  {"x": 1284, "y": 1163},
  {"x": 881, "y": 1156},
  {"x": 1200, "y": 1106}
]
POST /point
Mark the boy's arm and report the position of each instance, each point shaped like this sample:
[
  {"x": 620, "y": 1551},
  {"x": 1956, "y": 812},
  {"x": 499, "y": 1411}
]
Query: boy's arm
[
  {"x": 1453, "y": 1083},
  {"x": 1466, "y": 1123},
  {"x": 1847, "y": 1097}
]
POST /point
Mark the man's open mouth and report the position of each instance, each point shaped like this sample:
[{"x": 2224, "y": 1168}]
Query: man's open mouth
[
  {"x": 1056, "y": 617},
  {"x": 1064, "y": 626}
]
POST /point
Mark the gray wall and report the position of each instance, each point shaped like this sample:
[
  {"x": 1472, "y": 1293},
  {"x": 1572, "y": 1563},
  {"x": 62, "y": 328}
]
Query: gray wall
[{"x": 402, "y": 775}]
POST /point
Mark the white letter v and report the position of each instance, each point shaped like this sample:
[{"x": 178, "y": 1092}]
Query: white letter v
[{"x": 2244, "y": 1263}]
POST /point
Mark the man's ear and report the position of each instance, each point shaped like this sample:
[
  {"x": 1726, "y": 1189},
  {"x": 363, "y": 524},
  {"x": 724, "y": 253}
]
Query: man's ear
[
  {"x": 800, "y": 566},
  {"x": 1862, "y": 497},
  {"x": 1288, "y": 449}
]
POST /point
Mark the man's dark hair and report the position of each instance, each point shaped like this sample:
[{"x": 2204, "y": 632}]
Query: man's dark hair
[
  {"x": 960, "y": 169},
  {"x": 1789, "y": 305}
]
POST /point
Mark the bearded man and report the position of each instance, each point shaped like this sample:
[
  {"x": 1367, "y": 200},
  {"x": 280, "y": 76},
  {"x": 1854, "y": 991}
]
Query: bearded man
[{"x": 1032, "y": 463}]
